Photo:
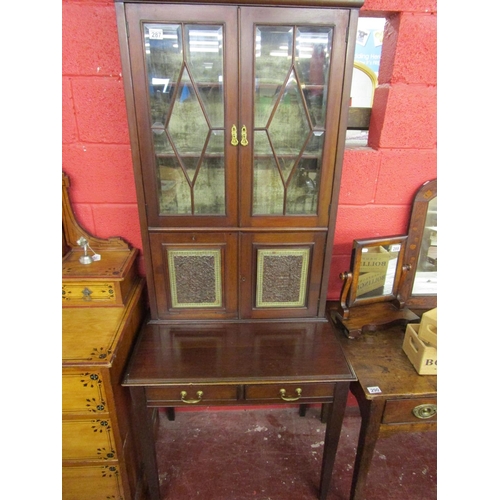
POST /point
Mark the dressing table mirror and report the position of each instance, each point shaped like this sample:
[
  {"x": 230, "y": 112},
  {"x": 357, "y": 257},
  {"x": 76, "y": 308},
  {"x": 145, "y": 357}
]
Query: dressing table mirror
[
  {"x": 377, "y": 266},
  {"x": 419, "y": 286},
  {"x": 370, "y": 294}
]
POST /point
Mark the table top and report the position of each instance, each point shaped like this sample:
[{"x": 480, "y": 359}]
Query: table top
[
  {"x": 237, "y": 353},
  {"x": 378, "y": 360}
]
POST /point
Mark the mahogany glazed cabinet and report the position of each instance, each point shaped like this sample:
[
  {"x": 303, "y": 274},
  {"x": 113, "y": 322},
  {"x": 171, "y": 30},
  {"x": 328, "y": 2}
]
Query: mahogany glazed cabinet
[{"x": 237, "y": 114}]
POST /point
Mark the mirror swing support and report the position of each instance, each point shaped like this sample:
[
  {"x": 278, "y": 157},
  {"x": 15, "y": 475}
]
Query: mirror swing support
[{"x": 370, "y": 296}]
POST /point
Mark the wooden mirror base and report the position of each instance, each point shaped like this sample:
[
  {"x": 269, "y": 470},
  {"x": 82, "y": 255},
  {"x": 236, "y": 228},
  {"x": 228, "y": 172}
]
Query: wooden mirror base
[{"x": 371, "y": 317}]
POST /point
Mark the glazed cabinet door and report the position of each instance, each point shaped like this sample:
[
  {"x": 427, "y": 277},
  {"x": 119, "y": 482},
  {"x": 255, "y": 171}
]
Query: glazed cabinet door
[
  {"x": 292, "y": 72},
  {"x": 280, "y": 275},
  {"x": 183, "y": 61},
  {"x": 234, "y": 113},
  {"x": 195, "y": 275}
]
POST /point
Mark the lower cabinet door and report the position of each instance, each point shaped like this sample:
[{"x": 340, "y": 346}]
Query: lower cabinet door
[
  {"x": 195, "y": 275},
  {"x": 281, "y": 274}
]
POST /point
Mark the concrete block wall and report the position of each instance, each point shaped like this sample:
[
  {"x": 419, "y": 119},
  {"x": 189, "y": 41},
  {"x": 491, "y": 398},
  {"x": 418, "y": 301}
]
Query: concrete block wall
[{"x": 378, "y": 181}]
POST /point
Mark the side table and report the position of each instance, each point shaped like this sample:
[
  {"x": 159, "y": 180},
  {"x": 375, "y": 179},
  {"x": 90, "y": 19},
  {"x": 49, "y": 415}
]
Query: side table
[
  {"x": 391, "y": 395},
  {"x": 240, "y": 364}
]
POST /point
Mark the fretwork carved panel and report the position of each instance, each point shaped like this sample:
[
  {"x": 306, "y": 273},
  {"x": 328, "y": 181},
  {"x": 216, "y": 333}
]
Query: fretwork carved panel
[
  {"x": 282, "y": 277},
  {"x": 195, "y": 278}
]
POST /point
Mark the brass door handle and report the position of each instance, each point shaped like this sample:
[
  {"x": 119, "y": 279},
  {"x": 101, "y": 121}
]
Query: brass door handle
[
  {"x": 244, "y": 140},
  {"x": 199, "y": 395},
  {"x": 234, "y": 136},
  {"x": 283, "y": 396}
]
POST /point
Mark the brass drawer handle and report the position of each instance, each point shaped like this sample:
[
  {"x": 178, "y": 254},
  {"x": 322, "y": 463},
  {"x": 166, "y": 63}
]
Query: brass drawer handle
[
  {"x": 298, "y": 391},
  {"x": 425, "y": 411},
  {"x": 199, "y": 395}
]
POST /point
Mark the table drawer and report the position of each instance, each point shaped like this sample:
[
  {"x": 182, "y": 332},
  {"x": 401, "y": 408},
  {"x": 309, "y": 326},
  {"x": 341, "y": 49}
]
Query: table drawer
[
  {"x": 290, "y": 392},
  {"x": 410, "y": 411},
  {"x": 192, "y": 394}
]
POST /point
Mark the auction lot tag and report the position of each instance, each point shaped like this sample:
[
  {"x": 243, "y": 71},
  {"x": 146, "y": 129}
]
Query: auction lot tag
[{"x": 374, "y": 390}]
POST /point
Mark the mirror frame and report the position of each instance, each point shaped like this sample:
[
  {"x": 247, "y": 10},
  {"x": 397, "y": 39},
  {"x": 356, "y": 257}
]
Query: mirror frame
[
  {"x": 349, "y": 293},
  {"x": 426, "y": 193}
]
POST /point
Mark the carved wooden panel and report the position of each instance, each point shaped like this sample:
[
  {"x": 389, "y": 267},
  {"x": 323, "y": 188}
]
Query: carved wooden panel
[
  {"x": 195, "y": 278},
  {"x": 282, "y": 277}
]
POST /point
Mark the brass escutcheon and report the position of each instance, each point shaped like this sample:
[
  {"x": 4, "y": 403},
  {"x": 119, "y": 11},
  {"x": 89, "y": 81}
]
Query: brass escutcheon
[{"x": 425, "y": 411}]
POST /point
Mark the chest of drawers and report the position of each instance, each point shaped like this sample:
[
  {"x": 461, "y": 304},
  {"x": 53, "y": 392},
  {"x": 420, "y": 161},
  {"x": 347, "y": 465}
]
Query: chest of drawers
[{"x": 98, "y": 454}]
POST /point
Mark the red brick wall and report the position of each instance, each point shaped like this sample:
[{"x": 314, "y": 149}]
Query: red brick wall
[{"x": 378, "y": 182}]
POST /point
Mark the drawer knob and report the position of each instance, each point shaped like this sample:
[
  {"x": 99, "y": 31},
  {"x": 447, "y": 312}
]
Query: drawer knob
[
  {"x": 283, "y": 396},
  {"x": 425, "y": 411},
  {"x": 199, "y": 395}
]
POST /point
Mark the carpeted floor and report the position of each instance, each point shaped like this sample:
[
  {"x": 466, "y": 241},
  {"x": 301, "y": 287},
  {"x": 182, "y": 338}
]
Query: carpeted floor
[{"x": 273, "y": 454}]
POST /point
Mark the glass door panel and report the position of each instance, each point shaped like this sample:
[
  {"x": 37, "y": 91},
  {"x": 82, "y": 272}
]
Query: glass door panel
[
  {"x": 184, "y": 71},
  {"x": 291, "y": 72},
  {"x": 292, "y": 68},
  {"x": 186, "y": 107}
]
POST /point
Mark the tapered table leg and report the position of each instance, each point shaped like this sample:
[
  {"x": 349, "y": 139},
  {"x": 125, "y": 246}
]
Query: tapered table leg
[
  {"x": 371, "y": 415},
  {"x": 143, "y": 427},
  {"x": 334, "y": 418}
]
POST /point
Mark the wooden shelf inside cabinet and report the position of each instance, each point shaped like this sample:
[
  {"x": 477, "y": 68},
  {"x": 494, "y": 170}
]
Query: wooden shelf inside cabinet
[{"x": 104, "y": 282}]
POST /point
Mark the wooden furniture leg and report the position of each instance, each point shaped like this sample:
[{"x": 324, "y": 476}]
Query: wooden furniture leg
[
  {"x": 371, "y": 415},
  {"x": 171, "y": 413},
  {"x": 146, "y": 440},
  {"x": 335, "y": 415},
  {"x": 323, "y": 415},
  {"x": 325, "y": 408}
]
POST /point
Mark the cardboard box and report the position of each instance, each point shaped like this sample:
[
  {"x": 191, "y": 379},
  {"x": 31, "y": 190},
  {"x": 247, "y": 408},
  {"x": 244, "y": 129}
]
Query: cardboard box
[
  {"x": 422, "y": 355},
  {"x": 428, "y": 327}
]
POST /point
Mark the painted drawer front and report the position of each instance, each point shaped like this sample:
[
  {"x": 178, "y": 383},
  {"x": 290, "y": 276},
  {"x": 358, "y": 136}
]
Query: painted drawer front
[
  {"x": 290, "y": 392},
  {"x": 83, "y": 393},
  {"x": 410, "y": 411},
  {"x": 100, "y": 482},
  {"x": 193, "y": 394},
  {"x": 89, "y": 293},
  {"x": 87, "y": 440}
]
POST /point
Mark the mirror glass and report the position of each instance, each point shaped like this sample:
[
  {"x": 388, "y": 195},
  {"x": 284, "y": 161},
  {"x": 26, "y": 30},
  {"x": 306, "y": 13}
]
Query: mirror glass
[
  {"x": 419, "y": 287},
  {"x": 425, "y": 282},
  {"x": 376, "y": 269}
]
